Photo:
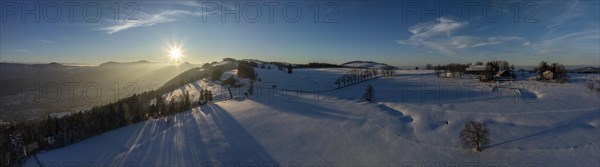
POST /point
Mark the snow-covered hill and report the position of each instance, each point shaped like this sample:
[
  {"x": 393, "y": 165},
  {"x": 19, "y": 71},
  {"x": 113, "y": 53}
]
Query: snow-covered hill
[
  {"x": 415, "y": 121},
  {"x": 368, "y": 64}
]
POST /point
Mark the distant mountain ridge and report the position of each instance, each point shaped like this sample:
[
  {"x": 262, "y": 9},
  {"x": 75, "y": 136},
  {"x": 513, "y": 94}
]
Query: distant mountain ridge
[
  {"x": 49, "y": 80},
  {"x": 126, "y": 63}
]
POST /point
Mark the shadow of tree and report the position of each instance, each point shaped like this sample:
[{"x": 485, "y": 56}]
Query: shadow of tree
[
  {"x": 558, "y": 129},
  {"x": 242, "y": 148}
]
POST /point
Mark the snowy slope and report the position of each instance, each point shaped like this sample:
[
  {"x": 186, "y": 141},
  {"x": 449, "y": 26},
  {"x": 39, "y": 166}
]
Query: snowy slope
[{"x": 415, "y": 121}]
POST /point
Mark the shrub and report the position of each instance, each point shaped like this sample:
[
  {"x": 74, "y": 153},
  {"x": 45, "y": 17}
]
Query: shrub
[
  {"x": 369, "y": 93},
  {"x": 475, "y": 135}
]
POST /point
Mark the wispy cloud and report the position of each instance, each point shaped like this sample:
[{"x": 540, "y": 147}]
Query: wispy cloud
[
  {"x": 572, "y": 29},
  {"x": 471, "y": 41},
  {"x": 557, "y": 44},
  {"x": 22, "y": 51},
  {"x": 572, "y": 10},
  {"x": 147, "y": 19},
  {"x": 429, "y": 34},
  {"x": 438, "y": 35}
]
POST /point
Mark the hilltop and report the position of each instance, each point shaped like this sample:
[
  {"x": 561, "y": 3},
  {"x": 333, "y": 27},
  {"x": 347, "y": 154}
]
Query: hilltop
[{"x": 368, "y": 64}]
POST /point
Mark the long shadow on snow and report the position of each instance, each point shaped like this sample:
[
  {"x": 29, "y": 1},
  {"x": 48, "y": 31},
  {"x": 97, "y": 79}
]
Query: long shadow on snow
[
  {"x": 243, "y": 149},
  {"x": 148, "y": 143},
  {"x": 164, "y": 144},
  {"x": 555, "y": 130}
]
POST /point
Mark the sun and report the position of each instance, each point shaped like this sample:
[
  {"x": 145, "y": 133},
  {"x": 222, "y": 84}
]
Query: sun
[{"x": 175, "y": 53}]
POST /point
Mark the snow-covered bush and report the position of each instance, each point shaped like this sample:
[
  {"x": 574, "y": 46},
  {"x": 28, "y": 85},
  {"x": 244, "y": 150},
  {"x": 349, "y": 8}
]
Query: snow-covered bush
[{"x": 475, "y": 135}]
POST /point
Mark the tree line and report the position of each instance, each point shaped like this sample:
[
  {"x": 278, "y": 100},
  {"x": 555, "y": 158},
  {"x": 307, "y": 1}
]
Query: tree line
[
  {"x": 26, "y": 138},
  {"x": 452, "y": 67},
  {"x": 318, "y": 65},
  {"x": 358, "y": 75}
]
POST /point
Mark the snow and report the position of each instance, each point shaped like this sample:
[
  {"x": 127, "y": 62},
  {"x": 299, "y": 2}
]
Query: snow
[
  {"x": 228, "y": 74},
  {"x": 415, "y": 121}
]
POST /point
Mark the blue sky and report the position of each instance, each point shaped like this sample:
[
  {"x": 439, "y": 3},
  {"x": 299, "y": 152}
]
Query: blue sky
[{"x": 394, "y": 32}]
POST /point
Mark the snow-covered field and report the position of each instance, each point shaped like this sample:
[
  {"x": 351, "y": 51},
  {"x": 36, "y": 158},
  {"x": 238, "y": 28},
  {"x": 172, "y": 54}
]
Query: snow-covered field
[{"x": 415, "y": 121}]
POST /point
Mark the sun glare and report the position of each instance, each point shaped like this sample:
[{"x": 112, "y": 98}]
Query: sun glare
[{"x": 175, "y": 52}]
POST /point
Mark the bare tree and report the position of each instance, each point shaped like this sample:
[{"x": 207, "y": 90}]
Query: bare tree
[
  {"x": 590, "y": 86},
  {"x": 231, "y": 82},
  {"x": 475, "y": 135}
]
